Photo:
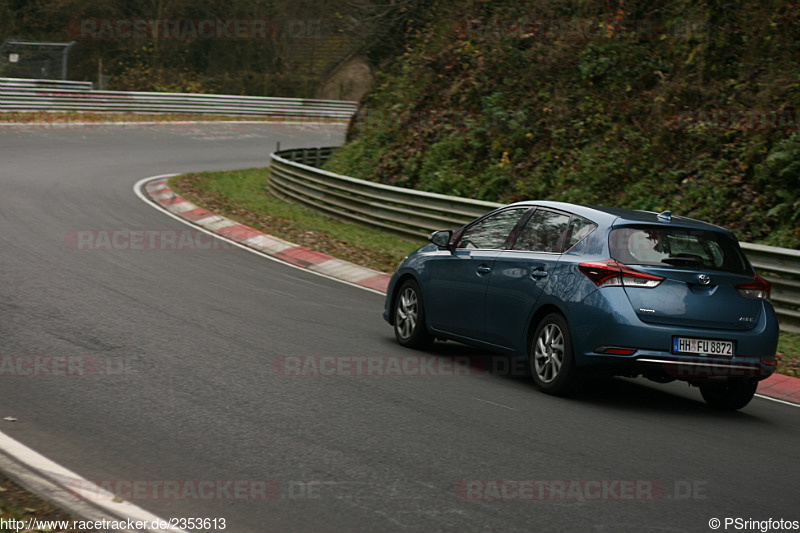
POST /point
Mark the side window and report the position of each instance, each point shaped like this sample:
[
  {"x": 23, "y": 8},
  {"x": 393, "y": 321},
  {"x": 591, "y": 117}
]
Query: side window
[
  {"x": 543, "y": 232},
  {"x": 579, "y": 229},
  {"x": 491, "y": 233}
]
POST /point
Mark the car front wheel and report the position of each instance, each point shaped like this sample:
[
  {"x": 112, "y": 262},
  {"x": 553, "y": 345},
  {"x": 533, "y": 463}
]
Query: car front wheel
[
  {"x": 409, "y": 317},
  {"x": 552, "y": 364},
  {"x": 729, "y": 395}
]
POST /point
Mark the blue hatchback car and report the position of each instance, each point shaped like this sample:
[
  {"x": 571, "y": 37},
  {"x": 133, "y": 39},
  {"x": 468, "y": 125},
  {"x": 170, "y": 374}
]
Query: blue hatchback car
[{"x": 575, "y": 289}]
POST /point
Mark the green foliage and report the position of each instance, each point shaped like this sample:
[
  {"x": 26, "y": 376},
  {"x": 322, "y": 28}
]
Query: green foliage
[
  {"x": 304, "y": 40},
  {"x": 788, "y": 358},
  {"x": 690, "y": 108},
  {"x": 780, "y": 177}
]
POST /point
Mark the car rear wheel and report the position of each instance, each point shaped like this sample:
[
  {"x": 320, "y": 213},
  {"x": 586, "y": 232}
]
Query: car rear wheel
[
  {"x": 729, "y": 395},
  {"x": 409, "y": 317},
  {"x": 552, "y": 363}
]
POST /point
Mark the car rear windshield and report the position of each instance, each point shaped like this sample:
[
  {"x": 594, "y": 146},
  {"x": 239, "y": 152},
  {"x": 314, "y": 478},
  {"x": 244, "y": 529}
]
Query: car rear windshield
[{"x": 677, "y": 247}]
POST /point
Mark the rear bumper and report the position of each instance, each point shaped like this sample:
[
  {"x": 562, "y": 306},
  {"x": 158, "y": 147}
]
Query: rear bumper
[
  {"x": 651, "y": 344},
  {"x": 660, "y": 365},
  {"x": 695, "y": 369}
]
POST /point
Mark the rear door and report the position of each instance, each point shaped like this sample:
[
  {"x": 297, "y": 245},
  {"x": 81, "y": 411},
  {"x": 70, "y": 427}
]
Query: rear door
[
  {"x": 702, "y": 269},
  {"x": 522, "y": 274}
]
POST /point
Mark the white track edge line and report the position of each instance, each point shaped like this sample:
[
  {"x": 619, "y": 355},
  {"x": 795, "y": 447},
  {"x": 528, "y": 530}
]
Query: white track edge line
[
  {"x": 52, "y": 481},
  {"x": 137, "y": 188},
  {"x": 770, "y": 398}
]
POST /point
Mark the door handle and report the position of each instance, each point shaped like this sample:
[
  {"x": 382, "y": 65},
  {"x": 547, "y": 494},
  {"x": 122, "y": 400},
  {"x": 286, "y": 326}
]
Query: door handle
[
  {"x": 538, "y": 274},
  {"x": 483, "y": 270}
]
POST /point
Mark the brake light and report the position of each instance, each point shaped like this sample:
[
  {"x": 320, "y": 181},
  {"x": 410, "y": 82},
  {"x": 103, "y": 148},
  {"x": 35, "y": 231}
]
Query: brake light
[
  {"x": 612, "y": 273},
  {"x": 758, "y": 288}
]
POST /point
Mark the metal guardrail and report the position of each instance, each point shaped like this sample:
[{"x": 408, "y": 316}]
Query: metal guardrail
[
  {"x": 46, "y": 95},
  {"x": 781, "y": 267},
  {"x": 406, "y": 211},
  {"x": 297, "y": 178}
]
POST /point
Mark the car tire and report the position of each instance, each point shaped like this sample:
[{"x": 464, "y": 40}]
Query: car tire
[
  {"x": 410, "y": 327},
  {"x": 729, "y": 395},
  {"x": 551, "y": 361}
]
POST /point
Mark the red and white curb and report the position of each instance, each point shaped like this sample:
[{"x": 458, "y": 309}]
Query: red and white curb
[
  {"x": 780, "y": 388},
  {"x": 159, "y": 192},
  {"x": 783, "y": 389}
]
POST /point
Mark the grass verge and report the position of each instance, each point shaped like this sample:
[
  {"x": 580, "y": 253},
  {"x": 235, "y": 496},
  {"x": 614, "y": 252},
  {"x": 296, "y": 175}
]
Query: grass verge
[
  {"x": 18, "y": 504},
  {"x": 242, "y": 196},
  {"x": 789, "y": 354}
]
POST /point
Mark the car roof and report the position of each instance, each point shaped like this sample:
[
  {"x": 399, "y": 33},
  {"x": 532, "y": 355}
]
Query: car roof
[{"x": 615, "y": 216}]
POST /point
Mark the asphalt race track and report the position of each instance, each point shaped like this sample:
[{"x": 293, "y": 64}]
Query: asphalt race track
[{"x": 187, "y": 347}]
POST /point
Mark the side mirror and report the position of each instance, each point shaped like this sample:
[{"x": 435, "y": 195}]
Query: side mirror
[{"x": 442, "y": 239}]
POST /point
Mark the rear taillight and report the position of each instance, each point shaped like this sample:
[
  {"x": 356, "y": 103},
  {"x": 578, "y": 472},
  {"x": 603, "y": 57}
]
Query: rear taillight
[
  {"x": 612, "y": 273},
  {"x": 758, "y": 288}
]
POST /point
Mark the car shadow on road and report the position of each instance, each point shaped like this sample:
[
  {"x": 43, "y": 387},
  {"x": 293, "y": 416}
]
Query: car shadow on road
[{"x": 618, "y": 393}]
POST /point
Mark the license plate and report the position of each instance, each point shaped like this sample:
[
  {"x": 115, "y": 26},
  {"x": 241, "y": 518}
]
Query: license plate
[{"x": 702, "y": 347}]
